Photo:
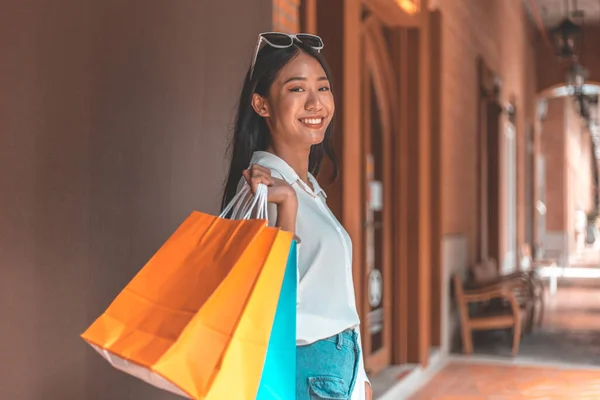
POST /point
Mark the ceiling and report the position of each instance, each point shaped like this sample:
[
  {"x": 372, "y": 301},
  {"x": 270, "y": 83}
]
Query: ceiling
[{"x": 553, "y": 11}]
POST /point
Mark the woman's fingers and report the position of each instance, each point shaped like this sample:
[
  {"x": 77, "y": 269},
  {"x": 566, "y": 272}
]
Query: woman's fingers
[
  {"x": 255, "y": 175},
  {"x": 248, "y": 177},
  {"x": 257, "y": 180},
  {"x": 259, "y": 168}
]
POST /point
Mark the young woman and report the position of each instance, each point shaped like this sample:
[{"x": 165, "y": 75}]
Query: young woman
[{"x": 282, "y": 133}]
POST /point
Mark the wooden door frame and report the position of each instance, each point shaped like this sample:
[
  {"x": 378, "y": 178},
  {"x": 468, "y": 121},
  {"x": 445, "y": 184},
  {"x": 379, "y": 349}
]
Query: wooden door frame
[
  {"x": 418, "y": 179},
  {"x": 435, "y": 101},
  {"x": 307, "y": 11},
  {"x": 489, "y": 91},
  {"x": 420, "y": 350},
  {"x": 379, "y": 70},
  {"x": 339, "y": 24},
  {"x": 416, "y": 183},
  {"x": 400, "y": 56}
]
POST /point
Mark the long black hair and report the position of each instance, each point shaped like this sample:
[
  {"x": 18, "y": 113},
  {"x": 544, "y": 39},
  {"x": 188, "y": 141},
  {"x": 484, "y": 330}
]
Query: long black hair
[{"x": 251, "y": 132}]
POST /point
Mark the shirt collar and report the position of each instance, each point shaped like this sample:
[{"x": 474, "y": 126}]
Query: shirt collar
[
  {"x": 271, "y": 161},
  {"x": 317, "y": 188}
]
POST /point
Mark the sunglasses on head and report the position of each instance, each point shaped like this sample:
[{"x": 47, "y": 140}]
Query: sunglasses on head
[{"x": 281, "y": 40}]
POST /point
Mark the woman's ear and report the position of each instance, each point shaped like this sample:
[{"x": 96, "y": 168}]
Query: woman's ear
[{"x": 260, "y": 105}]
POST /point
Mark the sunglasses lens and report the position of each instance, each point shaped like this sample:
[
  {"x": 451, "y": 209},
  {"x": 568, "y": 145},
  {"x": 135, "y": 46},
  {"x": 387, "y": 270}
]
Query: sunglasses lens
[
  {"x": 278, "y": 39},
  {"x": 311, "y": 41}
]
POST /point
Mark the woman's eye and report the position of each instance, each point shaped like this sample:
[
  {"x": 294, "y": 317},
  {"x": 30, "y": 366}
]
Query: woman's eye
[
  {"x": 324, "y": 89},
  {"x": 297, "y": 89}
]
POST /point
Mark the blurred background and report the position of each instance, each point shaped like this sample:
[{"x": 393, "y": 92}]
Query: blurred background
[{"x": 469, "y": 143}]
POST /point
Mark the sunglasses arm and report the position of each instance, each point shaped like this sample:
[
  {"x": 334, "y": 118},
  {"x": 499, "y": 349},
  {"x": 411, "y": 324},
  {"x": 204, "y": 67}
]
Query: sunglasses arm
[{"x": 260, "y": 39}]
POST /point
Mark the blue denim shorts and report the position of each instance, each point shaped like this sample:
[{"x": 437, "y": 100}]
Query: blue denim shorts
[{"x": 327, "y": 369}]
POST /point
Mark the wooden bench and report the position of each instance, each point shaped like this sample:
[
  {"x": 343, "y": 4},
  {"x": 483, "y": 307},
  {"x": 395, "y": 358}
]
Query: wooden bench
[
  {"x": 487, "y": 319},
  {"x": 527, "y": 287}
]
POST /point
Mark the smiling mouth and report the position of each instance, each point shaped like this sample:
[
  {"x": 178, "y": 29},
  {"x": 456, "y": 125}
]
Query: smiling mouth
[{"x": 313, "y": 123}]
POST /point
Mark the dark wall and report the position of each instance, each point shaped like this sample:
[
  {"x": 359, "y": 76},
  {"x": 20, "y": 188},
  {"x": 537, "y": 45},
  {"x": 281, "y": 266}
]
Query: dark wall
[{"x": 114, "y": 117}]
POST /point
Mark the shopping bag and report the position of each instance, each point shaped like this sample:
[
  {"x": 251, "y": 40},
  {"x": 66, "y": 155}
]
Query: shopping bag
[
  {"x": 197, "y": 319},
  {"x": 278, "y": 380}
]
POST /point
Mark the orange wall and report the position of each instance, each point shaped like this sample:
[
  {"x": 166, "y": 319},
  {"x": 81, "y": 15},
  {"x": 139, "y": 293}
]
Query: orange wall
[
  {"x": 566, "y": 146},
  {"x": 554, "y": 149},
  {"x": 500, "y": 32}
]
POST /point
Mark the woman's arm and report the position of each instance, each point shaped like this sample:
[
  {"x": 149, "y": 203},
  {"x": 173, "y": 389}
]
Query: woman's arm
[{"x": 286, "y": 214}]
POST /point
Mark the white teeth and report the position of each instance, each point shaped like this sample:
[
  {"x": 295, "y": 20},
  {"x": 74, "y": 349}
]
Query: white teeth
[{"x": 312, "y": 121}]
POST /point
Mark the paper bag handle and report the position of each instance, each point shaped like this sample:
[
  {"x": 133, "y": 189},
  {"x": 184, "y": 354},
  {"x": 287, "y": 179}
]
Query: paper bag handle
[{"x": 243, "y": 203}]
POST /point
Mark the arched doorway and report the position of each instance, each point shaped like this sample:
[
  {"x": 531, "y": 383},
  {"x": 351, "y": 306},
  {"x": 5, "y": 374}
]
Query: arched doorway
[
  {"x": 379, "y": 105},
  {"x": 567, "y": 139}
]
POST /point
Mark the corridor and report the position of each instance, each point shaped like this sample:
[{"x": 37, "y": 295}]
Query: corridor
[{"x": 559, "y": 360}]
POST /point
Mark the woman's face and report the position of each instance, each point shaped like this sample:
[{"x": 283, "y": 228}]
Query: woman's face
[{"x": 300, "y": 104}]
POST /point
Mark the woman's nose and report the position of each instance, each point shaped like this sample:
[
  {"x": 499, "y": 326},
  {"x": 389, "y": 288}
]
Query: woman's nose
[{"x": 313, "y": 102}]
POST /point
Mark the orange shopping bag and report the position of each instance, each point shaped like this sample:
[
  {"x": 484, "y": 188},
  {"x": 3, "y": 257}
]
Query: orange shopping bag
[{"x": 196, "y": 320}]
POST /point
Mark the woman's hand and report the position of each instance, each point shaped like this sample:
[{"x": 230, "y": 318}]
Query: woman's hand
[
  {"x": 279, "y": 190},
  {"x": 280, "y": 193}
]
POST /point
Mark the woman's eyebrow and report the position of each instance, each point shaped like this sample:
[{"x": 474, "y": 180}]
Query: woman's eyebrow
[{"x": 301, "y": 78}]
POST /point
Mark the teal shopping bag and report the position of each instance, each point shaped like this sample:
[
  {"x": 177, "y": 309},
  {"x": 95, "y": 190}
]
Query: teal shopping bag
[{"x": 278, "y": 380}]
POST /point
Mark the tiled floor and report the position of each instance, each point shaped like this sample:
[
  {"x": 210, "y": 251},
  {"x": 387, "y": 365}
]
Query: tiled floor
[
  {"x": 388, "y": 378},
  {"x": 570, "y": 333},
  {"x": 475, "y": 381},
  {"x": 574, "y": 308}
]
